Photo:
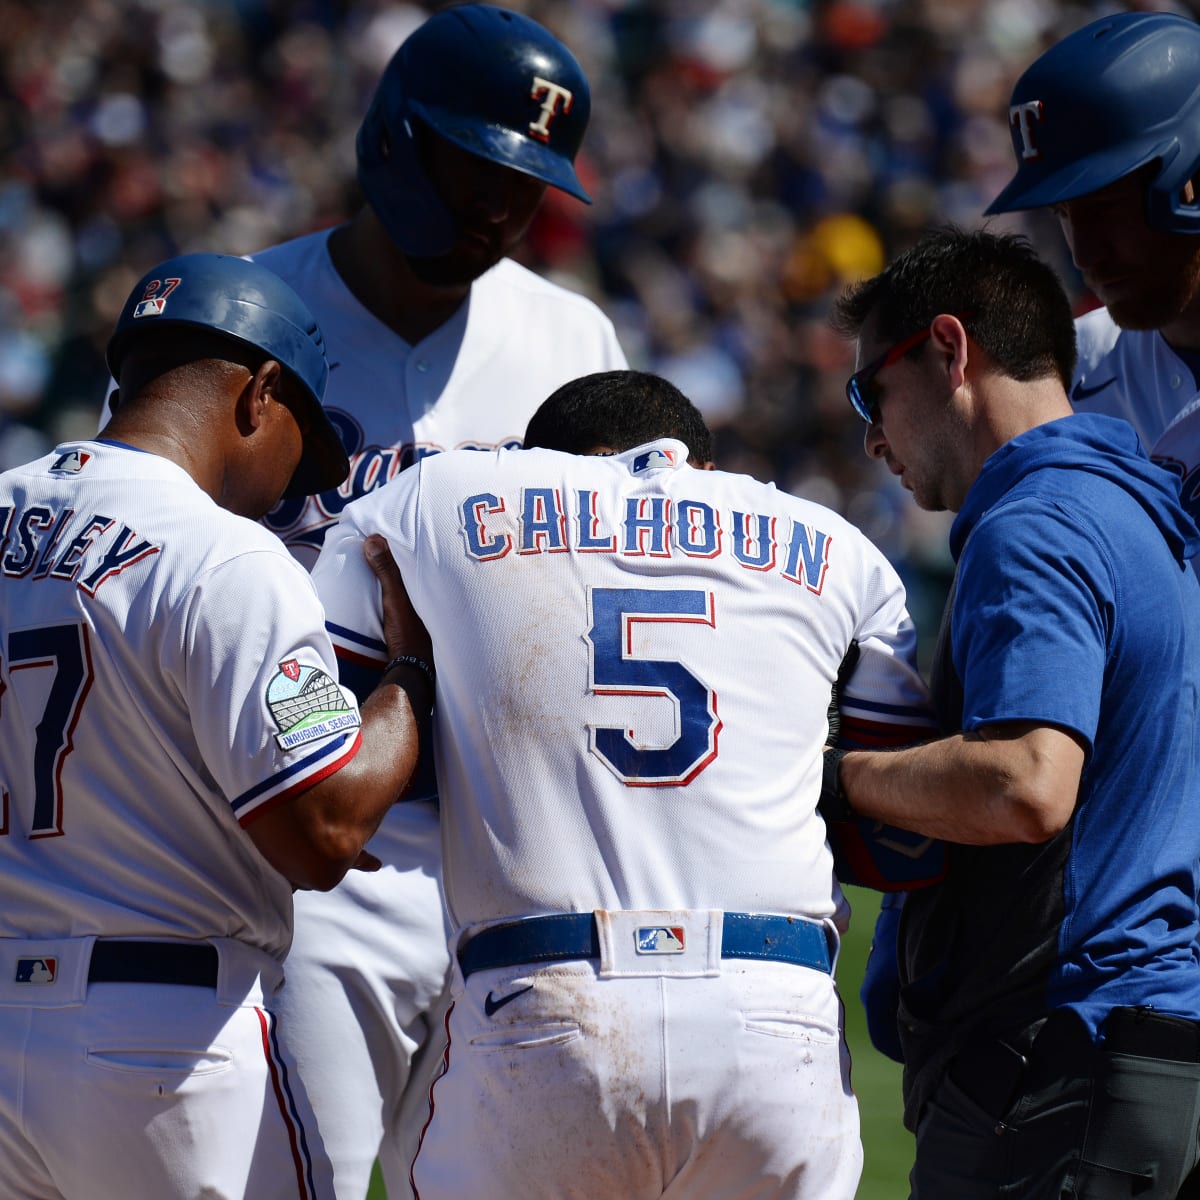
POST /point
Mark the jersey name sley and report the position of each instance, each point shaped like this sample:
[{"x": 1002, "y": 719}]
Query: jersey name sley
[
  {"x": 539, "y": 522},
  {"x": 41, "y": 542}
]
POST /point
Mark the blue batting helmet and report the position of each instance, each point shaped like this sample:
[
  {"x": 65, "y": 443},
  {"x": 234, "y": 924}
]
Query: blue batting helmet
[
  {"x": 249, "y": 304},
  {"x": 1107, "y": 100},
  {"x": 493, "y": 82}
]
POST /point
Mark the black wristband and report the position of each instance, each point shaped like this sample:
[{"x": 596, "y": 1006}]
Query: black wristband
[
  {"x": 418, "y": 664},
  {"x": 834, "y": 805}
]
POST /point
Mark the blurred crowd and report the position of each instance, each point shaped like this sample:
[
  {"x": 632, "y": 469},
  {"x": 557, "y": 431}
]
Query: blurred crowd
[{"x": 747, "y": 159}]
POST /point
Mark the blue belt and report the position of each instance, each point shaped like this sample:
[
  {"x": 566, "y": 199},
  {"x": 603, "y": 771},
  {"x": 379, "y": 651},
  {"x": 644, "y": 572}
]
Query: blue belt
[{"x": 567, "y": 936}]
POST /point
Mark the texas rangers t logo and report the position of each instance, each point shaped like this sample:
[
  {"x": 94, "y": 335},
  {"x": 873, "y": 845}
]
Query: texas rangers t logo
[
  {"x": 553, "y": 93},
  {"x": 1024, "y": 117}
]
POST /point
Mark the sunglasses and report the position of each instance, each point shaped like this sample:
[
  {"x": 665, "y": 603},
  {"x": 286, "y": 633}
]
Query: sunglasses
[{"x": 859, "y": 384}]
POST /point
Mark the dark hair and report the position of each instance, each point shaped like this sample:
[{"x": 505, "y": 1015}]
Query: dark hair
[
  {"x": 1012, "y": 303},
  {"x": 620, "y": 410}
]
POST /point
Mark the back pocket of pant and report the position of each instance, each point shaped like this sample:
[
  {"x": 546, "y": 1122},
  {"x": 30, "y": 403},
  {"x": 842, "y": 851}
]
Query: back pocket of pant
[{"x": 797, "y": 1026}]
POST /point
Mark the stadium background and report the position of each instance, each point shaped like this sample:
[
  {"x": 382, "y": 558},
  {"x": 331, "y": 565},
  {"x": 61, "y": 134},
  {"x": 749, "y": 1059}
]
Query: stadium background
[{"x": 747, "y": 158}]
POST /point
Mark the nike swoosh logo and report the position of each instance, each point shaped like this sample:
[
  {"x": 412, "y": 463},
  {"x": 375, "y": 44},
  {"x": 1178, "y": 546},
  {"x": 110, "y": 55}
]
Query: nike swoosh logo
[
  {"x": 491, "y": 1006},
  {"x": 1079, "y": 392}
]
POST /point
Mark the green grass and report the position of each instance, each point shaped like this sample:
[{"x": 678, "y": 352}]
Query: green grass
[
  {"x": 376, "y": 1192},
  {"x": 887, "y": 1145}
]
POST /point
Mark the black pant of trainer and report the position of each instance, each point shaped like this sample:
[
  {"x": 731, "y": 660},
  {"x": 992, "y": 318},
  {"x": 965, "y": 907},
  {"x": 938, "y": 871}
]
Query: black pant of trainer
[{"x": 1067, "y": 1120}]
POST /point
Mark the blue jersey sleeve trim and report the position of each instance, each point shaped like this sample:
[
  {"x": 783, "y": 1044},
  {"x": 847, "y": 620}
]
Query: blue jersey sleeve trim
[
  {"x": 921, "y": 714},
  {"x": 356, "y": 639},
  {"x": 303, "y": 767}
]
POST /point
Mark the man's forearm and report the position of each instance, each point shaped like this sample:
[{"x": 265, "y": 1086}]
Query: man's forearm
[{"x": 1009, "y": 783}]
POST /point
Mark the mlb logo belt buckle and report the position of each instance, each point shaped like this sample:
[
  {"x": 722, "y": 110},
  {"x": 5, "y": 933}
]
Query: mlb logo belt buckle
[
  {"x": 660, "y": 939},
  {"x": 36, "y": 971}
]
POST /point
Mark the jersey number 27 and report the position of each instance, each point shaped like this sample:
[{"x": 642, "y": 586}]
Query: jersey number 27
[{"x": 61, "y": 650}]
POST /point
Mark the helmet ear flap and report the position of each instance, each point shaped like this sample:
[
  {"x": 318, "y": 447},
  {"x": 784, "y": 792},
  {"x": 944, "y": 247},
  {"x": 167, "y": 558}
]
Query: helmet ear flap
[
  {"x": 1172, "y": 204},
  {"x": 394, "y": 181}
]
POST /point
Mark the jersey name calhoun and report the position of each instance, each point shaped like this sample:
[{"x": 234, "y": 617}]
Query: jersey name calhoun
[{"x": 540, "y": 520}]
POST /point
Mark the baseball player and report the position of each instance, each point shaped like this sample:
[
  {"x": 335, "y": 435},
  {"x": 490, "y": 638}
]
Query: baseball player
[
  {"x": 176, "y": 757},
  {"x": 635, "y": 657},
  {"x": 1106, "y": 132},
  {"x": 436, "y": 340}
]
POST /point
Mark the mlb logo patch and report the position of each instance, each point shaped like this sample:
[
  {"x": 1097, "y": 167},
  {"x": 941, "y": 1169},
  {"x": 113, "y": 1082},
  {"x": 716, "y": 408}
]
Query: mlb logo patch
[
  {"x": 72, "y": 462},
  {"x": 661, "y": 939},
  {"x": 150, "y": 308},
  {"x": 653, "y": 459},
  {"x": 36, "y": 970}
]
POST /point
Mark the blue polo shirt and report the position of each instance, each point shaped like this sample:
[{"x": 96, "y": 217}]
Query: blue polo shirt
[{"x": 1073, "y": 608}]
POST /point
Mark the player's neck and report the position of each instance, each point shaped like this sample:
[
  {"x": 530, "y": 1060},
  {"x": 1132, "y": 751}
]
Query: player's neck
[
  {"x": 178, "y": 445},
  {"x": 1184, "y": 332},
  {"x": 382, "y": 281}
]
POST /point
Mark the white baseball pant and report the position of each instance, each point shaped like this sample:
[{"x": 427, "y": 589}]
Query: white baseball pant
[
  {"x": 562, "y": 1084},
  {"x": 171, "y": 1090}
]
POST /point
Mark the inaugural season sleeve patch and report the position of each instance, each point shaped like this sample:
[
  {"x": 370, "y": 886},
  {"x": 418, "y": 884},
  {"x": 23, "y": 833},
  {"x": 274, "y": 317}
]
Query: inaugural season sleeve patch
[{"x": 307, "y": 705}]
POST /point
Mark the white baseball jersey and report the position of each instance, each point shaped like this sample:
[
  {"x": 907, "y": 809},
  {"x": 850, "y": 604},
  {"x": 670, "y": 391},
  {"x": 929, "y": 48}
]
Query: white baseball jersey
[
  {"x": 635, "y": 659},
  {"x": 473, "y": 383},
  {"x": 634, "y": 663},
  {"x": 165, "y": 676},
  {"x": 369, "y": 959},
  {"x": 1134, "y": 374}
]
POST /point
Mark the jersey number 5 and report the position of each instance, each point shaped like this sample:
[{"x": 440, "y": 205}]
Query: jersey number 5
[
  {"x": 615, "y": 671},
  {"x": 63, "y": 651}
]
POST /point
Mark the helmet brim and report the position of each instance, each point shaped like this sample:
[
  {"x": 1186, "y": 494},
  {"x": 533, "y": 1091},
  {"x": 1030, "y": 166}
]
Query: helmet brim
[
  {"x": 499, "y": 144},
  {"x": 1031, "y": 188}
]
